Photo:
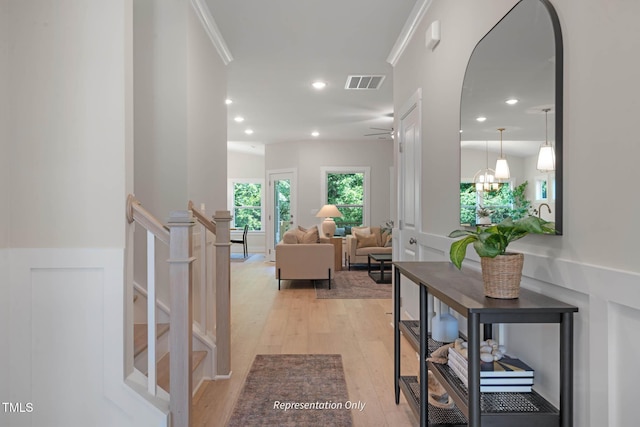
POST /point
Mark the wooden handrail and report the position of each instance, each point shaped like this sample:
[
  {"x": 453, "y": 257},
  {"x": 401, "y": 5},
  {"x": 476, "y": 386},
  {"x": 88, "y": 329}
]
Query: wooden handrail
[
  {"x": 209, "y": 225},
  {"x": 135, "y": 212}
]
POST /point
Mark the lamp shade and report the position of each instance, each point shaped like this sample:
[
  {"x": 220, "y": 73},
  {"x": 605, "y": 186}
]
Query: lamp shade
[
  {"x": 502, "y": 169},
  {"x": 546, "y": 158},
  {"x": 328, "y": 211}
]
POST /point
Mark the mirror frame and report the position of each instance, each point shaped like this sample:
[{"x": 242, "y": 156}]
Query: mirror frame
[{"x": 559, "y": 111}]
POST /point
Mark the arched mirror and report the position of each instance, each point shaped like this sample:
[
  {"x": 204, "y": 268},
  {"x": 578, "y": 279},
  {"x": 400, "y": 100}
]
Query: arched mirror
[{"x": 513, "y": 82}]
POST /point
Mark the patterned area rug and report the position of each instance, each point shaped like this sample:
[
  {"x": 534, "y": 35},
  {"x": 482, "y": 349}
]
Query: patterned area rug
[
  {"x": 294, "y": 390},
  {"x": 240, "y": 257},
  {"x": 353, "y": 285}
]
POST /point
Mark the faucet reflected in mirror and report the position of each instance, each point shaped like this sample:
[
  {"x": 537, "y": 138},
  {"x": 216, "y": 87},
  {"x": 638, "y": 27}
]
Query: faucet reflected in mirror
[{"x": 539, "y": 210}]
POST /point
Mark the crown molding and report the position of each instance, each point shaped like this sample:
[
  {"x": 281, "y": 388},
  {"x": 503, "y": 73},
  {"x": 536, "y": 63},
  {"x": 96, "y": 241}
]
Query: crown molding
[
  {"x": 416, "y": 15},
  {"x": 210, "y": 27}
]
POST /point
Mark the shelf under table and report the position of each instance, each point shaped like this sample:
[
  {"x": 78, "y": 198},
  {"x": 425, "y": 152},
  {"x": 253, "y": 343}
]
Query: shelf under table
[
  {"x": 493, "y": 405},
  {"x": 437, "y": 416}
]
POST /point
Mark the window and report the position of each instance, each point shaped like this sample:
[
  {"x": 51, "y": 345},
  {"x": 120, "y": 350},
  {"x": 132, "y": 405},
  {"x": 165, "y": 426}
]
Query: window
[
  {"x": 499, "y": 202},
  {"x": 247, "y": 205},
  {"x": 347, "y": 188}
]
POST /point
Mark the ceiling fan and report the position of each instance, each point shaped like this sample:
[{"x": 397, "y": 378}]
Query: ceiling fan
[{"x": 386, "y": 132}]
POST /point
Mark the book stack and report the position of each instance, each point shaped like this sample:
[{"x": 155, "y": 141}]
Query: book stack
[{"x": 505, "y": 375}]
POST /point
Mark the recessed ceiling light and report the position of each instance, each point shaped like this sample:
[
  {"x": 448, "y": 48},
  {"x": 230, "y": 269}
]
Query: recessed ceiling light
[
  {"x": 239, "y": 119},
  {"x": 248, "y": 131},
  {"x": 315, "y": 133},
  {"x": 511, "y": 101},
  {"x": 319, "y": 85},
  {"x": 481, "y": 119},
  {"x": 228, "y": 101},
  {"x": 461, "y": 131}
]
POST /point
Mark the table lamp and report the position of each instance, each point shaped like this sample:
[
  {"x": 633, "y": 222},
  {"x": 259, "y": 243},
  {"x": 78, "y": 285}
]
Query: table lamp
[{"x": 328, "y": 225}]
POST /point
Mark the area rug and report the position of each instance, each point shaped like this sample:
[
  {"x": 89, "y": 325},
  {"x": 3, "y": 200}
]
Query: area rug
[
  {"x": 240, "y": 257},
  {"x": 353, "y": 285},
  {"x": 294, "y": 390}
]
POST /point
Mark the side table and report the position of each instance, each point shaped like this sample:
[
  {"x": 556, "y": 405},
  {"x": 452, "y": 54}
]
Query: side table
[{"x": 337, "y": 252}]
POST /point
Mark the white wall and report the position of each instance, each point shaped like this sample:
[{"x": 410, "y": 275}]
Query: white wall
[
  {"x": 4, "y": 200},
  {"x": 206, "y": 121},
  {"x": 309, "y": 156},
  {"x": 594, "y": 265},
  {"x": 67, "y": 143}
]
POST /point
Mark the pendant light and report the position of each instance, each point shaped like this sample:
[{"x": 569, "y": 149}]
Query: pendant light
[
  {"x": 502, "y": 167},
  {"x": 485, "y": 179},
  {"x": 546, "y": 155}
]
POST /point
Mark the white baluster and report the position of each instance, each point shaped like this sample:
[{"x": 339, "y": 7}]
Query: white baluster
[
  {"x": 203, "y": 278},
  {"x": 151, "y": 314}
]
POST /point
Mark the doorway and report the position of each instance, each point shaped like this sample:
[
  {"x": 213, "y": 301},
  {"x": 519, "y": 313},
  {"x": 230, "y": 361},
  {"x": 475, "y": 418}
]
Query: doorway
[{"x": 281, "y": 207}]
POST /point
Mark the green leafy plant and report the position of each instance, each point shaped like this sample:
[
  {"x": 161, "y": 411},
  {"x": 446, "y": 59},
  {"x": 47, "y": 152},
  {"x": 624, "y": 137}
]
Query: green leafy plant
[{"x": 493, "y": 241}]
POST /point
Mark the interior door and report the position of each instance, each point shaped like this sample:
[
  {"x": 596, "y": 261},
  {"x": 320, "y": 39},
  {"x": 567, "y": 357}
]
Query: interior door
[
  {"x": 409, "y": 190},
  {"x": 282, "y": 206},
  {"x": 410, "y": 178}
]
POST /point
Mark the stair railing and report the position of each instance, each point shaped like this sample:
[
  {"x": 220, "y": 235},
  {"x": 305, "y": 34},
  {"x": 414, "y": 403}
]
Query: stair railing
[
  {"x": 178, "y": 236},
  {"x": 215, "y": 285}
]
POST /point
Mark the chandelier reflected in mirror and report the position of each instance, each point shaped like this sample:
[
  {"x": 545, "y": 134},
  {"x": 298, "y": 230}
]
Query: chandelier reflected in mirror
[{"x": 485, "y": 179}]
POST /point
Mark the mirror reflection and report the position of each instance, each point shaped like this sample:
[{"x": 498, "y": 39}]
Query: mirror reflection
[{"x": 511, "y": 112}]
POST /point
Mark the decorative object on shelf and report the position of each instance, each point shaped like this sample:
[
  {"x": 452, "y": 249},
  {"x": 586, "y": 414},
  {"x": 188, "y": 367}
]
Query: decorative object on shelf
[
  {"x": 438, "y": 396},
  {"x": 328, "y": 212},
  {"x": 444, "y": 327},
  {"x": 501, "y": 270},
  {"x": 502, "y": 167},
  {"x": 546, "y": 154},
  {"x": 484, "y": 215},
  {"x": 485, "y": 179}
]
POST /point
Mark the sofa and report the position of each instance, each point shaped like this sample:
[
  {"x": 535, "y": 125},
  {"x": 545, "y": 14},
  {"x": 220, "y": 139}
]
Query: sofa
[
  {"x": 303, "y": 254},
  {"x": 367, "y": 240}
]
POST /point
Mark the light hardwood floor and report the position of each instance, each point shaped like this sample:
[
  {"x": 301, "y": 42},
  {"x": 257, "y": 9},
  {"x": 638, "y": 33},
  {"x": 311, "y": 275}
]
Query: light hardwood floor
[{"x": 268, "y": 321}]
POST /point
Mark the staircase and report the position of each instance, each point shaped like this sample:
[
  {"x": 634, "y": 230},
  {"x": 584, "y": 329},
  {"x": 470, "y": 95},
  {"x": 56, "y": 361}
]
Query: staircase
[
  {"x": 140, "y": 345},
  {"x": 177, "y": 344}
]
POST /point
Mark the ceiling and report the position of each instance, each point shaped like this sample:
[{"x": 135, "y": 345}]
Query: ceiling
[{"x": 280, "y": 47}]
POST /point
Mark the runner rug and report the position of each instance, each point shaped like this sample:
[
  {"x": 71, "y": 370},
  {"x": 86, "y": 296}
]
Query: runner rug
[
  {"x": 294, "y": 390},
  {"x": 353, "y": 285}
]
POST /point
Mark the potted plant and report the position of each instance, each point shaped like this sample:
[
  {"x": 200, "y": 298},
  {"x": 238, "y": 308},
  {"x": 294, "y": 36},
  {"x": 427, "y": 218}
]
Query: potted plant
[
  {"x": 484, "y": 215},
  {"x": 501, "y": 270}
]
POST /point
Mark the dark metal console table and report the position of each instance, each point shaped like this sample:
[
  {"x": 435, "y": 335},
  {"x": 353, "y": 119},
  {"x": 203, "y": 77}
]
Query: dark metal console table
[{"x": 463, "y": 292}]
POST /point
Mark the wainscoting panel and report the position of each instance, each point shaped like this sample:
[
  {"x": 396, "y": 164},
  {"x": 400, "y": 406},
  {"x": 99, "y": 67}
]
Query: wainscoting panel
[
  {"x": 623, "y": 351},
  {"x": 66, "y": 322},
  {"x": 67, "y": 339}
]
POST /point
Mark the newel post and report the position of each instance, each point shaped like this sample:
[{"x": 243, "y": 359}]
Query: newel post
[
  {"x": 180, "y": 336},
  {"x": 223, "y": 293}
]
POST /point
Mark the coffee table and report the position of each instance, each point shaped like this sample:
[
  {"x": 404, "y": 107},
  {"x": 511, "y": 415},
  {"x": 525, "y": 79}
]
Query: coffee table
[{"x": 379, "y": 276}]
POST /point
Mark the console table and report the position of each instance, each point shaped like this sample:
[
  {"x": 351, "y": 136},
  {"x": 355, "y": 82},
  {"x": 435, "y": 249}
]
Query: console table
[{"x": 463, "y": 292}]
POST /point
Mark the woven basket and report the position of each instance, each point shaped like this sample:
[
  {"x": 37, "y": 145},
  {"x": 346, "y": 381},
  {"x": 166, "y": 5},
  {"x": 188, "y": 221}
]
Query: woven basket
[{"x": 501, "y": 275}]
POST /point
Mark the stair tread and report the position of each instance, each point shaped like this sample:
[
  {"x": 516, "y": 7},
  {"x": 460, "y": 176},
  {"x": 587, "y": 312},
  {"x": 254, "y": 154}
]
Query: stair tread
[
  {"x": 163, "y": 367},
  {"x": 140, "y": 343}
]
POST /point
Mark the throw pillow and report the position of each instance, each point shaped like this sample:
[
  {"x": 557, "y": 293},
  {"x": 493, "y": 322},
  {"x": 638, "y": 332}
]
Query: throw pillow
[
  {"x": 310, "y": 235},
  {"x": 361, "y": 230},
  {"x": 366, "y": 241},
  {"x": 290, "y": 237},
  {"x": 389, "y": 242}
]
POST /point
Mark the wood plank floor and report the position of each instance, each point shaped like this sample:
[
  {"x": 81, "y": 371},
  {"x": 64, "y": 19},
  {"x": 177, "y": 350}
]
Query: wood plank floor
[{"x": 268, "y": 321}]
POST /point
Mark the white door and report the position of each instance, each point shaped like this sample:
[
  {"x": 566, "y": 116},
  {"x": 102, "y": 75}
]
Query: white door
[
  {"x": 281, "y": 205},
  {"x": 410, "y": 160},
  {"x": 409, "y": 180}
]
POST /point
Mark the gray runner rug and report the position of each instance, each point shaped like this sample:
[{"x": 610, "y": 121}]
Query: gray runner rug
[
  {"x": 353, "y": 285},
  {"x": 294, "y": 390}
]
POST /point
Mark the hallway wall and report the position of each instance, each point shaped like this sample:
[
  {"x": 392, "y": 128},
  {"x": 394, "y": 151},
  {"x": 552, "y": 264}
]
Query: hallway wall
[{"x": 594, "y": 265}]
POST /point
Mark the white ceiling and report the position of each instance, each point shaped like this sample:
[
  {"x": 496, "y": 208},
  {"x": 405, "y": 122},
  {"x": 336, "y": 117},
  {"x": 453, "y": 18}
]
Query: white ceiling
[{"x": 280, "y": 47}]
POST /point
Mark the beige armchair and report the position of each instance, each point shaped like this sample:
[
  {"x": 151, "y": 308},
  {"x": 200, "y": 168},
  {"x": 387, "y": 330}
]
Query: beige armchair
[
  {"x": 364, "y": 241},
  {"x": 310, "y": 261}
]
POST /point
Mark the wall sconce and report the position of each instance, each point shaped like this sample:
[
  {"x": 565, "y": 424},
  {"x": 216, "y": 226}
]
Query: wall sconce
[
  {"x": 502, "y": 167},
  {"x": 546, "y": 155}
]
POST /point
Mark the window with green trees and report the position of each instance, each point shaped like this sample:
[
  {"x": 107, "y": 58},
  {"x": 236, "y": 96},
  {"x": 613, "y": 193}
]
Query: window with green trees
[
  {"x": 247, "y": 205},
  {"x": 346, "y": 191},
  {"x": 503, "y": 202}
]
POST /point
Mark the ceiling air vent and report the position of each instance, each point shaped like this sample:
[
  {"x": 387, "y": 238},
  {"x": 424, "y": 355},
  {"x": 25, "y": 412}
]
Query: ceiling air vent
[{"x": 368, "y": 82}]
